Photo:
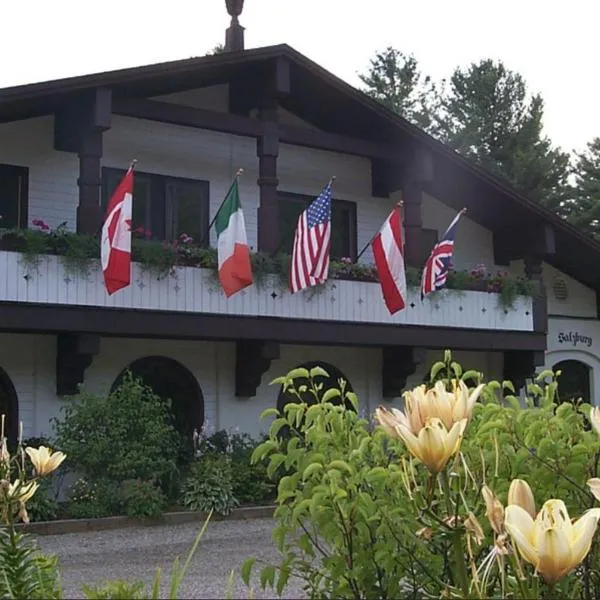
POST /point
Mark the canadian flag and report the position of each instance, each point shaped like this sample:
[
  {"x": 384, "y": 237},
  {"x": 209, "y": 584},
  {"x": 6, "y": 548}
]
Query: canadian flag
[
  {"x": 115, "y": 248},
  {"x": 388, "y": 251}
]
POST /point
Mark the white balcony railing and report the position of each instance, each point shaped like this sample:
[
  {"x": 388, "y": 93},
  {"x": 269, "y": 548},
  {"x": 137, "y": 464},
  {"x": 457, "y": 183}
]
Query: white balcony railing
[{"x": 196, "y": 290}]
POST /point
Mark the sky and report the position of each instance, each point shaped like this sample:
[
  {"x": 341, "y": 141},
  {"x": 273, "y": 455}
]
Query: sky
[{"x": 554, "y": 45}]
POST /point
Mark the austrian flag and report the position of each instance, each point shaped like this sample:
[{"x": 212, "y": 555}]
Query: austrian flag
[
  {"x": 115, "y": 248},
  {"x": 388, "y": 252}
]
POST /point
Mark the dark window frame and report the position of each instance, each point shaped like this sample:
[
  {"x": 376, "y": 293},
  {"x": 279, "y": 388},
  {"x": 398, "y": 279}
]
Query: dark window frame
[
  {"x": 346, "y": 205},
  {"x": 158, "y": 193},
  {"x": 23, "y": 199}
]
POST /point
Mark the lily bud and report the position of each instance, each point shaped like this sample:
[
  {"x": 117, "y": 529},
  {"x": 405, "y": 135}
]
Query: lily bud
[
  {"x": 595, "y": 418},
  {"x": 494, "y": 510},
  {"x": 473, "y": 526},
  {"x": 594, "y": 485},
  {"x": 389, "y": 419},
  {"x": 520, "y": 494}
]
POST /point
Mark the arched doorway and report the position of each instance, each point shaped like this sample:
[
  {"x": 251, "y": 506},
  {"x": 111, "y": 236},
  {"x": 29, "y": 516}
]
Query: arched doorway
[
  {"x": 9, "y": 406},
  {"x": 169, "y": 379},
  {"x": 334, "y": 374},
  {"x": 574, "y": 380}
]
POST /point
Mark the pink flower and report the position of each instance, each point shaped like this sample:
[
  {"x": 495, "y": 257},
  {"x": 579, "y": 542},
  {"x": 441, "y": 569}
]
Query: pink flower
[
  {"x": 41, "y": 225},
  {"x": 148, "y": 233}
]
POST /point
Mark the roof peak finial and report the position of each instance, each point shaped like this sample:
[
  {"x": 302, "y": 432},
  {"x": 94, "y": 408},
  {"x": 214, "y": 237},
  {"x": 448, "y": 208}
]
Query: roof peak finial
[{"x": 234, "y": 36}]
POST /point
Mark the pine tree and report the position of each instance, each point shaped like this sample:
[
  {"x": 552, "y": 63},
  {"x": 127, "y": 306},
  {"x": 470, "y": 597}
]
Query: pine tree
[
  {"x": 585, "y": 204},
  {"x": 394, "y": 79}
]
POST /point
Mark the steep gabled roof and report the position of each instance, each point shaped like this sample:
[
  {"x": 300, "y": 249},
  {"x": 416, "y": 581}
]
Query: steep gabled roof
[{"x": 335, "y": 106}]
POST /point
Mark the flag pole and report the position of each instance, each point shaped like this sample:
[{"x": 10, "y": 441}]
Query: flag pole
[
  {"x": 132, "y": 165},
  {"x": 236, "y": 178},
  {"x": 398, "y": 205}
]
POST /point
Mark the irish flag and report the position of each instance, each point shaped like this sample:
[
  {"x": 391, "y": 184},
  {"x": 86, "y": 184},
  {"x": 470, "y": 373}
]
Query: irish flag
[{"x": 235, "y": 270}]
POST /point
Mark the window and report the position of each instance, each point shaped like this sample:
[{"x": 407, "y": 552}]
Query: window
[
  {"x": 172, "y": 381},
  {"x": 343, "y": 223},
  {"x": 166, "y": 206},
  {"x": 13, "y": 196},
  {"x": 574, "y": 381}
]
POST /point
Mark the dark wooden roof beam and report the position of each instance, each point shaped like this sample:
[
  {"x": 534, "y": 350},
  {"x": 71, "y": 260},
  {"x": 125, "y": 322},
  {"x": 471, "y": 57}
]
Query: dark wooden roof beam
[{"x": 175, "y": 114}]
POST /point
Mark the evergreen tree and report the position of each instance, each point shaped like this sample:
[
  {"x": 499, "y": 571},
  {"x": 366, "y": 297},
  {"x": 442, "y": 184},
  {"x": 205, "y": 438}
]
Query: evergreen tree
[
  {"x": 394, "y": 79},
  {"x": 488, "y": 116},
  {"x": 584, "y": 207}
]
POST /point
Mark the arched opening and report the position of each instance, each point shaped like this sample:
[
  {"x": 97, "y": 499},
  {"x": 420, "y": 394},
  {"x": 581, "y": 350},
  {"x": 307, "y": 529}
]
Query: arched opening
[
  {"x": 9, "y": 406},
  {"x": 169, "y": 379},
  {"x": 574, "y": 380},
  {"x": 334, "y": 374}
]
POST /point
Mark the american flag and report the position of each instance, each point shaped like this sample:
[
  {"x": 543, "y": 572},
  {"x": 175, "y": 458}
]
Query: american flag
[
  {"x": 438, "y": 264},
  {"x": 310, "y": 256}
]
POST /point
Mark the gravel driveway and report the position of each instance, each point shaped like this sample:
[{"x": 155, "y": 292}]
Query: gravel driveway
[{"x": 135, "y": 553}]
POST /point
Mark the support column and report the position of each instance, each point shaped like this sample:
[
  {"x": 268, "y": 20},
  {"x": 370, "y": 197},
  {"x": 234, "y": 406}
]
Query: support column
[
  {"x": 533, "y": 271},
  {"x": 276, "y": 85},
  {"x": 417, "y": 172},
  {"x": 89, "y": 212},
  {"x": 78, "y": 129},
  {"x": 267, "y": 149},
  {"x": 412, "y": 196}
]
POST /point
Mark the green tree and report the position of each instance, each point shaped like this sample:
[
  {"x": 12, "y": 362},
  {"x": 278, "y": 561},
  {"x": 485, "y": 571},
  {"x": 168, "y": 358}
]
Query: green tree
[
  {"x": 584, "y": 207},
  {"x": 488, "y": 115},
  {"x": 394, "y": 79}
]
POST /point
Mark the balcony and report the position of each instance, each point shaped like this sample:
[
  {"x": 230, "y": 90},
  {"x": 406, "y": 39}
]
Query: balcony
[{"x": 196, "y": 290}]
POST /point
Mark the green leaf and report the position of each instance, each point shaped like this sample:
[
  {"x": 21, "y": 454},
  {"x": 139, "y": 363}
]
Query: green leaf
[
  {"x": 269, "y": 412},
  {"x": 340, "y": 465},
  {"x": 435, "y": 369},
  {"x": 457, "y": 369},
  {"x": 267, "y": 576},
  {"x": 299, "y": 373},
  {"x": 508, "y": 385},
  {"x": 274, "y": 463},
  {"x": 284, "y": 575},
  {"x": 246, "y": 570},
  {"x": 318, "y": 372},
  {"x": 330, "y": 394},
  {"x": 547, "y": 373},
  {"x": 276, "y": 426},
  {"x": 471, "y": 374},
  {"x": 312, "y": 469}
]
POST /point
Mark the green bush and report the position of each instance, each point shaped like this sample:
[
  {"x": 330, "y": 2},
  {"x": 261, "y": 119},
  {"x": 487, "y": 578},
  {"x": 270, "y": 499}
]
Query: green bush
[
  {"x": 209, "y": 485},
  {"x": 251, "y": 485},
  {"x": 142, "y": 499},
  {"x": 347, "y": 524},
  {"x": 43, "y": 506},
  {"x": 93, "y": 500},
  {"x": 125, "y": 435}
]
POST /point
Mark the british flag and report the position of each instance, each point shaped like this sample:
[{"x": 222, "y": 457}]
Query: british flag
[{"x": 438, "y": 264}]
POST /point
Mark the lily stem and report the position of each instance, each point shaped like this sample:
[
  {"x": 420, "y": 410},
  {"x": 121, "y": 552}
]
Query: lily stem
[{"x": 459, "y": 555}]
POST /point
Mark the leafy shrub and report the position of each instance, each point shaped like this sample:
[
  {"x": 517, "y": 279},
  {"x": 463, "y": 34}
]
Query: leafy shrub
[
  {"x": 125, "y": 435},
  {"x": 92, "y": 500},
  {"x": 142, "y": 498},
  {"x": 43, "y": 506},
  {"x": 358, "y": 517},
  {"x": 251, "y": 485},
  {"x": 209, "y": 486}
]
